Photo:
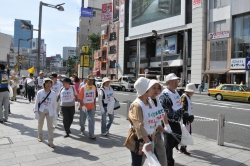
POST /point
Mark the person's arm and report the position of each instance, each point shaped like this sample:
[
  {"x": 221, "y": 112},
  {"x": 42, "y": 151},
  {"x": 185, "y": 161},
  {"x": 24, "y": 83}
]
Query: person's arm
[
  {"x": 54, "y": 104},
  {"x": 37, "y": 101},
  {"x": 167, "y": 106},
  {"x": 184, "y": 103},
  {"x": 100, "y": 97},
  {"x": 80, "y": 96}
]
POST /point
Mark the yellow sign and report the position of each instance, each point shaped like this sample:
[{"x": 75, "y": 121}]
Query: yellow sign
[
  {"x": 86, "y": 61},
  {"x": 81, "y": 60},
  {"x": 85, "y": 49}
]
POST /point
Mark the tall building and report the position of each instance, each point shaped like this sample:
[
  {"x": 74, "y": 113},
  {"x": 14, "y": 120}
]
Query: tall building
[
  {"x": 68, "y": 52},
  {"x": 19, "y": 33}
]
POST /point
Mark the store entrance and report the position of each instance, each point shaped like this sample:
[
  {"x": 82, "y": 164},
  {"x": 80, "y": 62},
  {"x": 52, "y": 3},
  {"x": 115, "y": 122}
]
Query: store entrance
[{"x": 237, "y": 78}]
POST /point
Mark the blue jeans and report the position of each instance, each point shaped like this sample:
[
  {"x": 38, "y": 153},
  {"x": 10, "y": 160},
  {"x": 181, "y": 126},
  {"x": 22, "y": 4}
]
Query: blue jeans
[
  {"x": 105, "y": 125},
  {"x": 90, "y": 114}
]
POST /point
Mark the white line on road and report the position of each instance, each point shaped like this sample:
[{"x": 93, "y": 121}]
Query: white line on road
[
  {"x": 199, "y": 103},
  {"x": 240, "y": 108},
  {"x": 218, "y": 106},
  {"x": 226, "y": 121}
]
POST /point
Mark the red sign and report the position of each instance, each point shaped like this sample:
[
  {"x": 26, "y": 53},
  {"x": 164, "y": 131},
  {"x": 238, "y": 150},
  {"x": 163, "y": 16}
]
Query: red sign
[
  {"x": 196, "y": 3},
  {"x": 106, "y": 11},
  {"x": 218, "y": 35}
]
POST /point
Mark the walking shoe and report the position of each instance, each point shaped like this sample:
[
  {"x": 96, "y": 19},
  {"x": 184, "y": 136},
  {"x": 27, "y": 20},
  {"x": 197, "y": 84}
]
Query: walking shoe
[
  {"x": 1, "y": 121},
  {"x": 9, "y": 112},
  {"x": 92, "y": 136},
  {"x": 51, "y": 145},
  {"x": 184, "y": 151},
  {"x": 5, "y": 120},
  {"x": 82, "y": 133},
  {"x": 39, "y": 140},
  {"x": 67, "y": 135},
  {"x": 104, "y": 134}
]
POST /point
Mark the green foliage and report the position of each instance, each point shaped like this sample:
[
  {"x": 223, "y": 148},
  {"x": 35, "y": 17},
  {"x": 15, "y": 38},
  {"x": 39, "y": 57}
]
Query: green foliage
[
  {"x": 70, "y": 65},
  {"x": 94, "y": 42}
]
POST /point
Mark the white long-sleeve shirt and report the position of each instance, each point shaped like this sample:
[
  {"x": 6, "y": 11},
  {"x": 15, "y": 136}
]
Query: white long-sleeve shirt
[
  {"x": 110, "y": 92},
  {"x": 49, "y": 104}
]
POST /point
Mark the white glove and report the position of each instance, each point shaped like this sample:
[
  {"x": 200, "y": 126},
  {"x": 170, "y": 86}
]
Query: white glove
[
  {"x": 102, "y": 111},
  {"x": 36, "y": 115},
  {"x": 167, "y": 128},
  {"x": 84, "y": 109}
]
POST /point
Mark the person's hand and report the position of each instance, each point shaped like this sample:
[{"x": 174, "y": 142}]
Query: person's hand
[
  {"x": 102, "y": 111},
  {"x": 160, "y": 128},
  {"x": 167, "y": 128},
  {"x": 185, "y": 114},
  {"x": 149, "y": 148},
  {"x": 36, "y": 115}
]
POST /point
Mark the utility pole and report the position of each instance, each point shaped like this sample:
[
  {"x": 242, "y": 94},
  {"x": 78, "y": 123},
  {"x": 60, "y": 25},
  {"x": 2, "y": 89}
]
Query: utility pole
[{"x": 162, "y": 51}]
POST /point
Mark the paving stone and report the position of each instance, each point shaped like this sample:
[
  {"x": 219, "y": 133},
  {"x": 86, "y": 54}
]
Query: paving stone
[
  {"x": 69, "y": 163},
  {"x": 47, "y": 155},
  {"x": 18, "y": 160},
  {"x": 41, "y": 162},
  {"x": 7, "y": 156},
  {"x": 30, "y": 152},
  {"x": 13, "y": 149},
  {"x": 117, "y": 162}
]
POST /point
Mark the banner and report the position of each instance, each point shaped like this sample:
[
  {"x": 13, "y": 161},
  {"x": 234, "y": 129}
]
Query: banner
[
  {"x": 86, "y": 12},
  {"x": 106, "y": 11},
  {"x": 34, "y": 44},
  {"x": 219, "y": 35},
  {"x": 86, "y": 61},
  {"x": 116, "y": 12},
  {"x": 122, "y": 16},
  {"x": 238, "y": 63},
  {"x": 196, "y": 3},
  {"x": 77, "y": 36}
]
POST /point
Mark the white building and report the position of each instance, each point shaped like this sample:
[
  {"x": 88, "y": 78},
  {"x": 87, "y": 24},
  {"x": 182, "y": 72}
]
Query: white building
[
  {"x": 5, "y": 43},
  {"x": 68, "y": 52}
]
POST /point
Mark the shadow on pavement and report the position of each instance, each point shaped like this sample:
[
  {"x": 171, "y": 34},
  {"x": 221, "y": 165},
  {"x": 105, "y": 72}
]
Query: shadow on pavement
[{"x": 18, "y": 116}]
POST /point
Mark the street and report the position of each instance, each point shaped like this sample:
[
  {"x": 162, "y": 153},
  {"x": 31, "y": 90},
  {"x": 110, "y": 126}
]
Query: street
[{"x": 205, "y": 107}]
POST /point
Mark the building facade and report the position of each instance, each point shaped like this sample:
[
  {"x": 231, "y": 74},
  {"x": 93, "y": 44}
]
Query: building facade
[
  {"x": 19, "y": 33},
  {"x": 180, "y": 44},
  {"x": 68, "y": 52}
]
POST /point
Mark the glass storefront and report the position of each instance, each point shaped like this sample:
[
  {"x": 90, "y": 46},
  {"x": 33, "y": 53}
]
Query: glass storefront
[{"x": 241, "y": 36}]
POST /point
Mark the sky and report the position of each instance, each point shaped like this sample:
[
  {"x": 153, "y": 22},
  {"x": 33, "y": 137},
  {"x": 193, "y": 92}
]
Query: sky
[{"x": 58, "y": 27}]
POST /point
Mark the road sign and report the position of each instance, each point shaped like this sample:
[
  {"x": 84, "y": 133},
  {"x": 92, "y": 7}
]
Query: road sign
[
  {"x": 85, "y": 49},
  {"x": 146, "y": 71},
  {"x": 86, "y": 61}
]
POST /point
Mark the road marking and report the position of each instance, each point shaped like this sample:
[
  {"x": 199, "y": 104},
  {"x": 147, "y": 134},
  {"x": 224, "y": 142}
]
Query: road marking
[
  {"x": 218, "y": 106},
  {"x": 199, "y": 103},
  {"x": 224, "y": 104},
  {"x": 240, "y": 108},
  {"x": 226, "y": 121}
]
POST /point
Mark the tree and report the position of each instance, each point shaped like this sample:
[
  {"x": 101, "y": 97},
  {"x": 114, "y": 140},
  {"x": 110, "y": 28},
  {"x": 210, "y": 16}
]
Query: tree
[
  {"x": 94, "y": 42},
  {"x": 70, "y": 66}
]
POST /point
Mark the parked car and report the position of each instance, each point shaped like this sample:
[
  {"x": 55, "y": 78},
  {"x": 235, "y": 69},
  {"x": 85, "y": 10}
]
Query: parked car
[
  {"x": 124, "y": 83},
  {"x": 230, "y": 92}
]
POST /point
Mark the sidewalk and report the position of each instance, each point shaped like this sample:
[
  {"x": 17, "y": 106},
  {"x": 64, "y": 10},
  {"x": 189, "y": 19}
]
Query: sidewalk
[{"x": 19, "y": 145}]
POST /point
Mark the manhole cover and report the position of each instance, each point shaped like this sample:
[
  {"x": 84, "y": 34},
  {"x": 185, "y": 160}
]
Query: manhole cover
[{"x": 5, "y": 141}]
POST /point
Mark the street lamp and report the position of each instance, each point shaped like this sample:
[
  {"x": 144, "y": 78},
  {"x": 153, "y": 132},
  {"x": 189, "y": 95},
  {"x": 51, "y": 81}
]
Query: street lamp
[
  {"x": 28, "y": 27},
  {"x": 29, "y": 40}
]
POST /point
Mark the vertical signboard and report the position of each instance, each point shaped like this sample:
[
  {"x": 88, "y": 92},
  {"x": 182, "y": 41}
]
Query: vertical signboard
[
  {"x": 116, "y": 12},
  {"x": 77, "y": 36},
  {"x": 107, "y": 12},
  {"x": 34, "y": 44},
  {"x": 42, "y": 47},
  {"x": 86, "y": 12},
  {"x": 196, "y": 3},
  {"x": 121, "y": 13}
]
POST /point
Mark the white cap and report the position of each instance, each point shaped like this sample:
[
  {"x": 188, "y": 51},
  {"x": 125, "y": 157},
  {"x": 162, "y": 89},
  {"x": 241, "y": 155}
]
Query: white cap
[
  {"x": 170, "y": 77},
  {"x": 141, "y": 85},
  {"x": 152, "y": 82},
  {"x": 105, "y": 79},
  {"x": 190, "y": 87}
]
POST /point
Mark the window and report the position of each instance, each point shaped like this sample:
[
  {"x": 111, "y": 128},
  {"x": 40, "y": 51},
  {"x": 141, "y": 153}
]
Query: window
[
  {"x": 227, "y": 87},
  {"x": 220, "y": 26},
  {"x": 103, "y": 67},
  {"x": 112, "y": 64},
  {"x": 125, "y": 79},
  {"x": 112, "y": 36},
  {"x": 220, "y": 3},
  {"x": 238, "y": 89},
  {"x": 112, "y": 50},
  {"x": 218, "y": 50},
  {"x": 94, "y": 13}
]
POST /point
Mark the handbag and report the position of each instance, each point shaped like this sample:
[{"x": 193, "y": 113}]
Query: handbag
[
  {"x": 117, "y": 104},
  {"x": 133, "y": 143},
  {"x": 39, "y": 104},
  {"x": 186, "y": 138}
]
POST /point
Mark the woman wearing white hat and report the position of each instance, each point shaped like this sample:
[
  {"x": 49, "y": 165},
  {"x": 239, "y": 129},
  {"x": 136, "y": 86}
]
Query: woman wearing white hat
[
  {"x": 45, "y": 106},
  {"x": 144, "y": 121},
  {"x": 188, "y": 106},
  {"x": 105, "y": 99}
]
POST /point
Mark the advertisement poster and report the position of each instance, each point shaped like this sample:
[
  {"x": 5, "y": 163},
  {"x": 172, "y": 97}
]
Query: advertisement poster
[
  {"x": 196, "y": 3},
  {"x": 34, "y": 44},
  {"x": 122, "y": 16},
  {"x": 219, "y": 35},
  {"x": 42, "y": 47},
  {"x": 146, "y": 11},
  {"x": 116, "y": 12},
  {"x": 132, "y": 53},
  {"x": 86, "y": 12},
  {"x": 106, "y": 11},
  {"x": 86, "y": 61},
  {"x": 248, "y": 63},
  {"x": 143, "y": 51},
  {"x": 238, "y": 63},
  {"x": 169, "y": 45},
  {"x": 77, "y": 36}
]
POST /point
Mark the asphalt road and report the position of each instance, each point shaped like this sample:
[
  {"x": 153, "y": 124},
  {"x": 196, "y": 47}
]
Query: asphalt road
[{"x": 237, "y": 113}]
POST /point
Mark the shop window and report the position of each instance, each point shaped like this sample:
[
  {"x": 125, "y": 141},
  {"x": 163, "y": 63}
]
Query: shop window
[
  {"x": 218, "y": 50},
  {"x": 112, "y": 36},
  {"x": 220, "y": 26},
  {"x": 103, "y": 67},
  {"x": 112, "y": 64},
  {"x": 112, "y": 50}
]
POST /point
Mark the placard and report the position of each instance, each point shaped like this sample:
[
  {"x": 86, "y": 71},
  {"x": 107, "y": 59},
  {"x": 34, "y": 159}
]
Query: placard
[{"x": 238, "y": 63}]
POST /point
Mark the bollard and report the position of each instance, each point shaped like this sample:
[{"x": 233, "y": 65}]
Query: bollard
[
  {"x": 221, "y": 129},
  {"x": 128, "y": 106}
]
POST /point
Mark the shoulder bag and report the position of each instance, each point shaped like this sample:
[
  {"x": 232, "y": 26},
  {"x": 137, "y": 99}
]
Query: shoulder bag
[{"x": 39, "y": 104}]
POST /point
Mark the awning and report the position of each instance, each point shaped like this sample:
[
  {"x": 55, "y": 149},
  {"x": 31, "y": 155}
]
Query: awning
[
  {"x": 215, "y": 71},
  {"x": 96, "y": 73},
  {"x": 236, "y": 71}
]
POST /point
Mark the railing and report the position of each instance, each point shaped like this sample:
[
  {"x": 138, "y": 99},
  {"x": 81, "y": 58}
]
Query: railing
[{"x": 138, "y": 11}]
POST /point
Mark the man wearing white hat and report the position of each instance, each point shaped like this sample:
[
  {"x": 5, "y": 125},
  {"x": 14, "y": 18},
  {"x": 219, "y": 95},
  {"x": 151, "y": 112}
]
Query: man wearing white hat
[
  {"x": 106, "y": 98},
  {"x": 187, "y": 105},
  {"x": 171, "y": 103},
  {"x": 40, "y": 81}
]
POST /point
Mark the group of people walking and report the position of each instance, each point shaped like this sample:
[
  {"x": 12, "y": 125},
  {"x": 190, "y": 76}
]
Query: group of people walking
[
  {"x": 56, "y": 96},
  {"x": 155, "y": 118}
]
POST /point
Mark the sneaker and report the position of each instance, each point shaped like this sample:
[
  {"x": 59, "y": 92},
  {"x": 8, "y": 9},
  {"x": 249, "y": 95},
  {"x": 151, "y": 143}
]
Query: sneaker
[
  {"x": 51, "y": 145},
  {"x": 92, "y": 136},
  {"x": 184, "y": 151},
  {"x": 39, "y": 139},
  {"x": 5, "y": 120},
  {"x": 67, "y": 135},
  {"x": 104, "y": 134},
  {"x": 1, "y": 121},
  {"x": 82, "y": 133}
]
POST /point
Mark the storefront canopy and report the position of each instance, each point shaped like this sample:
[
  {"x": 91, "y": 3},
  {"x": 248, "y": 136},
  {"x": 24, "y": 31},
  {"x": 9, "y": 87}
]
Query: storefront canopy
[
  {"x": 236, "y": 71},
  {"x": 215, "y": 71}
]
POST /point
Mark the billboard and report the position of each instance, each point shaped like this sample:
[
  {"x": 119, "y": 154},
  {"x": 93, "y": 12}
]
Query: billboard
[
  {"x": 34, "y": 46},
  {"x": 122, "y": 14},
  {"x": 77, "y": 35},
  {"x": 238, "y": 63},
  {"x": 219, "y": 35},
  {"x": 106, "y": 11},
  {"x": 146, "y": 11},
  {"x": 170, "y": 45},
  {"x": 116, "y": 12},
  {"x": 86, "y": 12}
]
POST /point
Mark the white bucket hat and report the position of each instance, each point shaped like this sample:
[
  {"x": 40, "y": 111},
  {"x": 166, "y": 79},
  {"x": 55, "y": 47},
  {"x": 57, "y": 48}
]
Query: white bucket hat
[
  {"x": 190, "y": 87},
  {"x": 170, "y": 77},
  {"x": 47, "y": 79},
  {"x": 141, "y": 86},
  {"x": 152, "y": 82},
  {"x": 105, "y": 79}
]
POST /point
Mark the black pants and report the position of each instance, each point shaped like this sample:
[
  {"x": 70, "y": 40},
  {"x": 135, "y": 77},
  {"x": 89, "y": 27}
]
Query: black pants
[
  {"x": 172, "y": 142},
  {"x": 68, "y": 116},
  {"x": 137, "y": 159},
  {"x": 31, "y": 94}
]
